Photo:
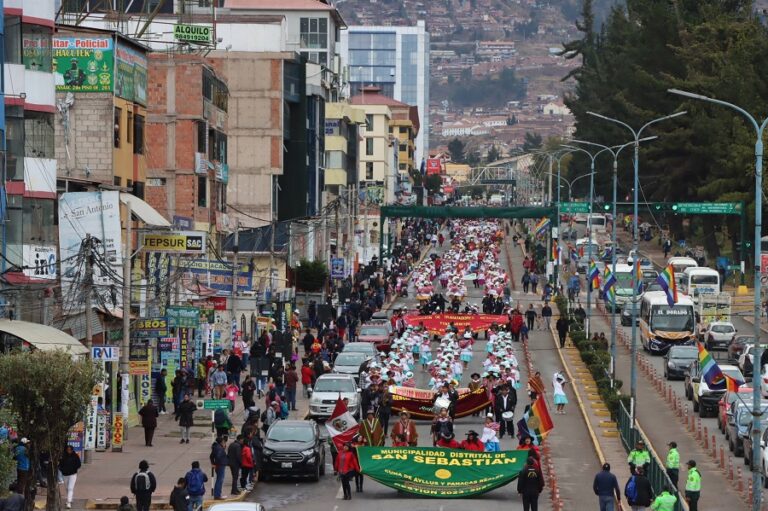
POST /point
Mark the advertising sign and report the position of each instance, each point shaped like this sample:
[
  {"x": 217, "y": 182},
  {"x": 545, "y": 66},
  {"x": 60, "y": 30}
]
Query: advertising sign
[
  {"x": 131, "y": 78},
  {"x": 36, "y": 50},
  {"x": 117, "y": 431},
  {"x": 337, "y": 268},
  {"x": 39, "y": 261},
  {"x": 97, "y": 214},
  {"x": 216, "y": 275},
  {"x": 434, "y": 166},
  {"x": 76, "y": 438},
  {"x": 105, "y": 353},
  {"x": 177, "y": 242},
  {"x": 138, "y": 357},
  {"x": 193, "y": 33},
  {"x": 441, "y": 473},
  {"x": 150, "y": 328},
  {"x": 90, "y": 422},
  {"x": 437, "y": 323},
  {"x": 145, "y": 383},
  {"x": 158, "y": 272},
  {"x": 183, "y": 316},
  {"x": 101, "y": 430},
  {"x": 184, "y": 347},
  {"x": 420, "y": 403},
  {"x": 83, "y": 64}
]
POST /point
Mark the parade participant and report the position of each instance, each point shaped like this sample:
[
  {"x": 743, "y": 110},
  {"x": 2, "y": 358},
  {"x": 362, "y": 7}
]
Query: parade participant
[
  {"x": 407, "y": 428},
  {"x": 448, "y": 441},
  {"x": 442, "y": 426},
  {"x": 530, "y": 484},
  {"x": 504, "y": 408},
  {"x": 371, "y": 431},
  {"x": 489, "y": 438},
  {"x": 558, "y": 381},
  {"x": 347, "y": 467},
  {"x": 472, "y": 443}
]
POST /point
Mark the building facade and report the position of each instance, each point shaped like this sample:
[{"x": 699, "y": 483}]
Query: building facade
[{"x": 396, "y": 59}]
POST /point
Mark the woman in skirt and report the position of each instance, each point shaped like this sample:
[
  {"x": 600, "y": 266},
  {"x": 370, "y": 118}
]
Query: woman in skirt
[
  {"x": 466, "y": 354},
  {"x": 489, "y": 438},
  {"x": 426, "y": 353},
  {"x": 558, "y": 381}
]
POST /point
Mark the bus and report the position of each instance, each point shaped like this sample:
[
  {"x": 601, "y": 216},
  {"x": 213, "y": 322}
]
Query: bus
[
  {"x": 698, "y": 280},
  {"x": 623, "y": 276},
  {"x": 663, "y": 326},
  {"x": 681, "y": 263}
]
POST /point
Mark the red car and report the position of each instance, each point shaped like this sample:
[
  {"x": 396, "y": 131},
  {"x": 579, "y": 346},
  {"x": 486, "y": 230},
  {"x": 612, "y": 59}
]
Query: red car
[
  {"x": 380, "y": 333},
  {"x": 725, "y": 403}
]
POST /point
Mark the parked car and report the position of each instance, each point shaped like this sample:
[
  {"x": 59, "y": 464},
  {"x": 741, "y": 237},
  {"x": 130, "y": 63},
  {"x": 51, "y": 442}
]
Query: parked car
[
  {"x": 328, "y": 389},
  {"x": 730, "y": 414},
  {"x": 719, "y": 335},
  {"x": 294, "y": 448},
  {"x": 361, "y": 347},
  {"x": 725, "y": 403},
  {"x": 737, "y": 346},
  {"x": 739, "y": 424},
  {"x": 764, "y": 463},
  {"x": 746, "y": 359},
  {"x": 746, "y": 441},
  {"x": 379, "y": 333},
  {"x": 705, "y": 400},
  {"x": 626, "y": 315},
  {"x": 349, "y": 362},
  {"x": 677, "y": 359}
]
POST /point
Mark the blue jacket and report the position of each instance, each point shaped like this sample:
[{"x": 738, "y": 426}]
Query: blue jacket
[
  {"x": 219, "y": 455},
  {"x": 605, "y": 484},
  {"x": 22, "y": 458}
]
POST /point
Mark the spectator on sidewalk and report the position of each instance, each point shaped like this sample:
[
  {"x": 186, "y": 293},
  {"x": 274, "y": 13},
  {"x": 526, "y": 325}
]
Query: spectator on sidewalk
[
  {"x": 307, "y": 375},
  {"x": 143, "y": 485},
  {"x": 68, "y": 466},
  {"x": 638, "y": 491},
  {"x": 235, "y": 455},
  {"x": 221, "y": 422},
  {"x": 196, "y": 480},
  {"x": 247, "y": 390},
  {"x": 160, "y": 390},
  {"x": 185, "y": 415},
  {"x": 530, "y": 317},
  {"x": 148, "y": 415},
  {"x": 562, "y": 330},
  {"x": 546, "y": 315},
  {"x": 220, "y": 462},
  {"x": 606, "y": 487},
  {"x": 15, "y": 501},
  {"x": 291, "y": 379},
  {"x": 179, "y": 496},
  {"x": 234, "y": 368},
  {"x": 219, "y": 382},
  {"x": 125, "y": 504},
  {"x": 530, "y": 484}
]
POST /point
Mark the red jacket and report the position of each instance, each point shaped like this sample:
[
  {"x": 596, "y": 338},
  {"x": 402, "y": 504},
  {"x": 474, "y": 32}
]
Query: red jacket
[
  {"x": 450, "y": 444},
  {"x": 517, "y": 322},
  {"x": 473, "y": 446},
  {"x": 346, "y": 462},
  {"x": 306, "y": 375},
  {"x": 246, "y": 459}
]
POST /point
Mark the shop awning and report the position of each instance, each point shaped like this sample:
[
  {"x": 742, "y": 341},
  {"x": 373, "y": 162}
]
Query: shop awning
[
  {"x": 42, "y": 337},
  {"x": 144, "y": 211}
]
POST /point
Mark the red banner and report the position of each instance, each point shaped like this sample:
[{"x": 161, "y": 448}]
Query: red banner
[
  {"x": 420, "y": 403},
  {"x": 437, "y": 323},
  {"x": 434, "y": 166}
]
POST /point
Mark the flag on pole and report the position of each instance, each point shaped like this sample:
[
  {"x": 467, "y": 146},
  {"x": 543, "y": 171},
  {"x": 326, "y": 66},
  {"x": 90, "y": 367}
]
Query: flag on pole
[
  {"x": 639, "y": 276},
  {"x": 341, "y": 426},
  {"x": 666, "y": 280},
  {"x": 536, "y": 421},
  {"x": 556, "y": 254},
  {"x": 594, "y": 276},
  {"x": 712, "y": 373},
  {"x": 541, "y": 227},
  {"x": 609, "y": 286}
]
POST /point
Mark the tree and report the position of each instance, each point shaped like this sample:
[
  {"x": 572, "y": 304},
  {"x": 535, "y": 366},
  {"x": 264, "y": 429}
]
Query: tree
[
  {"x": 493, "y": 154},
  {"x": 532, "y": 141},
  {"x": 311, "y": 275},
  {"x": 456, "y": 148},
  {"x": 432, "y": 183},
  {"x": 48, "y": 392},
  {"x": 473, "y": 159}
]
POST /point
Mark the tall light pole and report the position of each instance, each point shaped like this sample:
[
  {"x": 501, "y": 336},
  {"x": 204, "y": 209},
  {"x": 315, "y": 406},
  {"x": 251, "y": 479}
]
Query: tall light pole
[
  {"x": 635, "y": 235},
  {"x": 757, "y": 349},
  {"x": 615, "y": 151}
]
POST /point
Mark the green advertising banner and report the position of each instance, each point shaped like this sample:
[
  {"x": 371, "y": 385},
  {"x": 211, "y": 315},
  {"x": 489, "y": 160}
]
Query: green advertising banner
[
  {"x": 83, "y": 64},
  {"x": 438, "y": 472},
  {"x": 183, "y": 316},
  {"x": 131, "y": 79}
]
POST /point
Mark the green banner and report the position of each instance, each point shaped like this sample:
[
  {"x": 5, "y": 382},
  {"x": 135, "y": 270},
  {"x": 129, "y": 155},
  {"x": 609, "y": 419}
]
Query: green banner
[
  {"x": 131, "y": 78},
  {"x": 183, "y": 316},
  {"x": 438, "y": 472},
  {"x": 83, "y": 64}
]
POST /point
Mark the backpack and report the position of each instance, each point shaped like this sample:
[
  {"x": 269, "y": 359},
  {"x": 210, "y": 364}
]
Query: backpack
[
  {"x": 195, "y": 482},
  {"x": 631, "y": 490},
  {"x": 143, "y": 483}
]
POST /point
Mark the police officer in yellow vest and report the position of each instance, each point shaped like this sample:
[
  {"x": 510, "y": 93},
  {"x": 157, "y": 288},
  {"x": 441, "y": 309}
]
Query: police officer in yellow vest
[
  {"x": 664, "y": 502},
  {"x": 639, "y": 457},
  {"x": 693, "y": 486},
  {"x": 673, "y": 463}
]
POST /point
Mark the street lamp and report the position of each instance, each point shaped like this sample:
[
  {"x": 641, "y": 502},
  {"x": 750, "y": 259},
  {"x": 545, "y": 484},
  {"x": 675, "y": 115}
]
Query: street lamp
[
  {"x": 635, "y": 234},
  {"x": 615, "y": 151},
  {"x": 592, "y": 158},
  {"x": 757, "y": 348}
]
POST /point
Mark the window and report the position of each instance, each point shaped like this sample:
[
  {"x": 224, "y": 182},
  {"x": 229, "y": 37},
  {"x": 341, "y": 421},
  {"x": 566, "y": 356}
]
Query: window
[
  {"x": 403, "y": 130},
  {"x": 318, "y": 57},
  {"x": 202, "y": 137},
  {"x": 313, "y": 32},
  {"x": 118, "y": 122},
  {"x": 217, "y": 146},
  {"x": 138, "y": 134},
  {"x": 369, "y": 146},
  {"x": 38, "y": 134},
  {"x": 129, "y": 128},
  {"x": 403, "y": 166},
  {"x": 12, "y": 40},
  {"x": 215, "y": 90},
  {"x": 369, "y": 171},
  {"x": 369, "y": 122},
  {"x": 403, "y": 148},
  {"x": 202, "y": 191},
  {"x": 155, "y": 181},
  {"x": 36, "y": 47},
  {"x": 117, "y": 181},
  {"x": 37, "y": 217},
  {"x": 14, "y": 140}
]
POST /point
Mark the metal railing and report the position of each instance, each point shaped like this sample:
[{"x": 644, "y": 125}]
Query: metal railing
[{"x": 657, "y": 474}]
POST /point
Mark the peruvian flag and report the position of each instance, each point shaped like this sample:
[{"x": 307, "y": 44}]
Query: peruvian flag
[{"x": 342, "y": 426}]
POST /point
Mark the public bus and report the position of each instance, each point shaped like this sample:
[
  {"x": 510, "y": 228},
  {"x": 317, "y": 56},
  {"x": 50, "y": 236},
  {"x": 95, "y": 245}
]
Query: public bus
[
  {"x": 597, "y": 222},
  {"x": 623, "y": 276},
  {"x": 663, "y": 326},
  {"x": 698, "y": 280}
]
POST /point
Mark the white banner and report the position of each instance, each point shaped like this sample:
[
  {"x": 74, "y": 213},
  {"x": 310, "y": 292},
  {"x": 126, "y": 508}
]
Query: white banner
[{"x": 39, "y": 261}]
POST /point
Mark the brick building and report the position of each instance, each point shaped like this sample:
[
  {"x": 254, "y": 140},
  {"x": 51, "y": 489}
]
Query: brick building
[{"x": 187, "y": 171}]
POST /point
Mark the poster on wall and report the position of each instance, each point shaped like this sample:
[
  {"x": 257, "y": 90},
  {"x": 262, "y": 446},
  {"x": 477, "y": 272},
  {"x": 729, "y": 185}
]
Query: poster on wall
[
  {"x": 83, "y": 64},
  {"x": 96, "y": 214},
  {"x": 131, "y": 78},
  {"x": 39, "y": 261},
  {"x": 36, "y": 50}
]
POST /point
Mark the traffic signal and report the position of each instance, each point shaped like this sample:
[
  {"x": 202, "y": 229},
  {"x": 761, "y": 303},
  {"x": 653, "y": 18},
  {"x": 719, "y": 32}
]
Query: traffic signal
[
  {"x": 606, "y": 207},
  {"x": 674, "y": 207}
]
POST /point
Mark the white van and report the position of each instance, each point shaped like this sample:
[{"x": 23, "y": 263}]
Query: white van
[
  {"x": 698, "y": 281},
  {"x": 597, "y": 222}
]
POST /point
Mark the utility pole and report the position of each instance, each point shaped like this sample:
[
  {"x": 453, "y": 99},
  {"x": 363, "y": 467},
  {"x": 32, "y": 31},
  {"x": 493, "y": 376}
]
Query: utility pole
[
  {"x": 366, "y": 234},
  {"x": 88, "y": 312},
  {"x": 125, "y": 343},
  {"x": 235, "y": 250},
  {"x": 272, "y": 255}
]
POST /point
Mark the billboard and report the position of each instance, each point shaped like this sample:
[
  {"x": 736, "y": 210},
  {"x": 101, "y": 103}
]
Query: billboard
[
  {"x": 434, "y": 166},
  {"x": 39, "y": 261},
  {"x": 97, "y": 214},
  {"x": 131, "y": 74},
  {"x": 176, "y": 242},
  {"x": 215, "y": 275},
  {"x": 83, "y": 64}
]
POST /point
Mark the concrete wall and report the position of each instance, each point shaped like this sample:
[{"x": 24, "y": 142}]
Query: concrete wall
[{"x": 88, "y": 154}]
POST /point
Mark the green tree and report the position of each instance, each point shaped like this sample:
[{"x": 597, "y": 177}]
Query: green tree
[
  {"x": 532, "y": 141},
  {"x": 48, "y": 392},
  {"x": 473, "y": 159},
  {"x": 311, "y": 275},
  {"x": 493, "y": 154},
  {"x": 456, "y": 148},
  {"x": 432, "y": 183}
]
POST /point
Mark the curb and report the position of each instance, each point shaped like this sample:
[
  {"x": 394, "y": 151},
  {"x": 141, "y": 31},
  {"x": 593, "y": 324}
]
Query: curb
[{"x": 161, "y": 504}]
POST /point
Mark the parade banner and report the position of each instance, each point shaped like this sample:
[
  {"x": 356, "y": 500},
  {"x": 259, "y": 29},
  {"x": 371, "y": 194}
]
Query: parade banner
[
  {"x": 437, "y": 323},
  {"x": 420, "y": 403},
  {"x": 441, "y": 473}
]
